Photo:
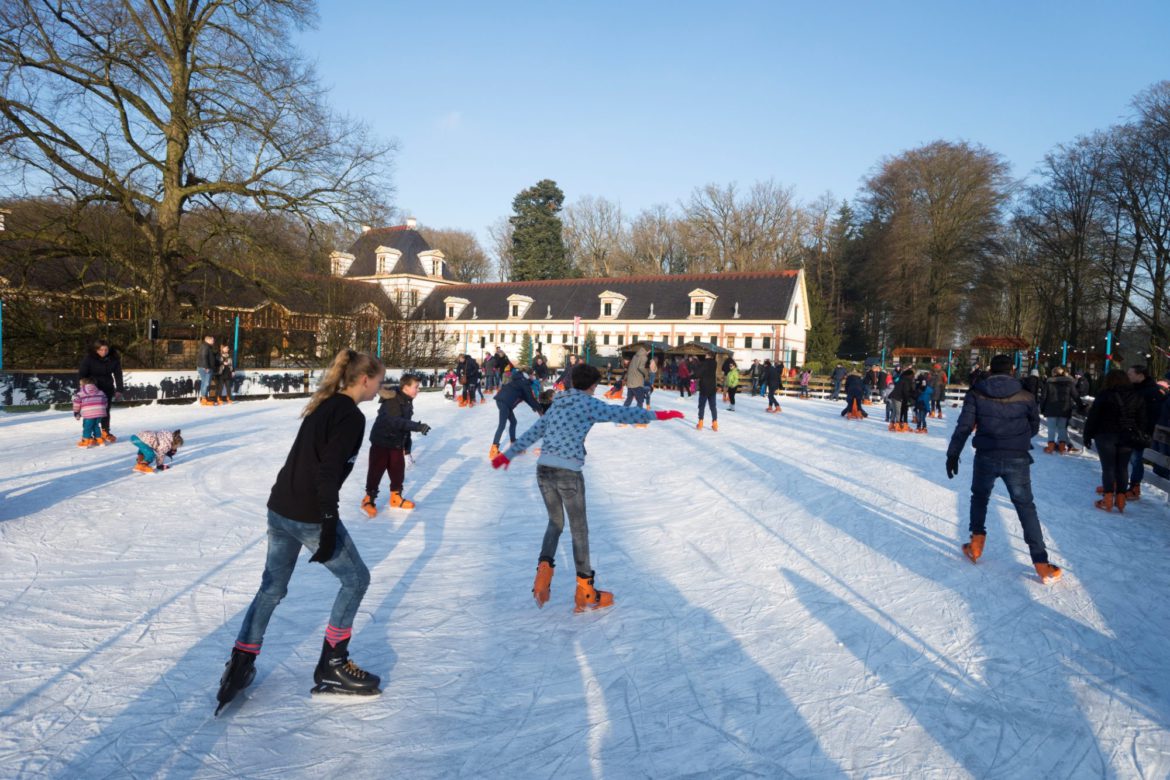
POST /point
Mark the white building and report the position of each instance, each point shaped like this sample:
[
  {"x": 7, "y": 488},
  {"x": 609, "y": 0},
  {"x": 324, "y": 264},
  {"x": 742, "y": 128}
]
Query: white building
[{"x": 759, "y": 315}]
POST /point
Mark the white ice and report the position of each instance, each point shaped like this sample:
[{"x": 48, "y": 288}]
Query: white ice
[{"x": 791, "y": 601}]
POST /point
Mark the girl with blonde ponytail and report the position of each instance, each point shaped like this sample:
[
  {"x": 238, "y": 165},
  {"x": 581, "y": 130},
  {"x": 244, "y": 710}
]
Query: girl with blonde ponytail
[{"x": 303, "y": 512}]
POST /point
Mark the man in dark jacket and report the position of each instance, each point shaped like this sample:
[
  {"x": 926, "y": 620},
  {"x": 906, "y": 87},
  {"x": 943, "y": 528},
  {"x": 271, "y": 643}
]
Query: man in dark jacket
[
  {"x": 1153, "y": 396},
  {"x": 1060, "y": 398},
  {"x": 854, "y": 394},
  {"x": 837, "y": 377},
  {"x": 518, "y": 390},
  {"x": 104, "y": 366},
  {"x": 468, "y": 371},
  {"x": 205, "y": 364},
  {"x": 708, "y": 386},
  {"x": 1004, "y": 418}
]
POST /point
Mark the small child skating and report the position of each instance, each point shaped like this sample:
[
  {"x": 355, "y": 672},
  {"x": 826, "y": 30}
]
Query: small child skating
[
  {"x": 390, "y": 443},
  {"x": 154, "y": 447},
  {"x": 223, "y": 392},
  {"x": 90, "y": 405},
  {"x": 732, "y": 384},
  {"x": 562, "y": 484}
]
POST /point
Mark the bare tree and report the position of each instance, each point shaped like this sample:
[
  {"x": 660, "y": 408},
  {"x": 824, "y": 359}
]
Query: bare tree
[
  {"x": 596, "y": 237},
  {"x": 656, "y": 246},
  {"x": 465, "y": 257},
  {"x": 501, "y": 235},
  {"x": 162, "y": 107},
  {"x": 761, "y": 231}
]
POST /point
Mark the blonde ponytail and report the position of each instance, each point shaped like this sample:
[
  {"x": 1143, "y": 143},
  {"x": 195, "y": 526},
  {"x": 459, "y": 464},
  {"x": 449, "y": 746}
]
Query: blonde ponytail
[{"x": 347, "y": 367}]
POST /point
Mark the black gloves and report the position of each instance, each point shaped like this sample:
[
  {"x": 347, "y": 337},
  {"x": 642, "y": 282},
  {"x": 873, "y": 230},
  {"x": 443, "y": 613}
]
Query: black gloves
[
  {"x": 424, "y": 429},
  {"x": 952, "y": 466},
  {"x": 328, "y": 540}
]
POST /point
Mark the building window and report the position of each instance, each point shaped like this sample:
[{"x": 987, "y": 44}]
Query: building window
[
  {"x": 515, "y": 310},
  {"x": 607, "y": 309},
  {"x": 730, "y": 342},
  {"x": 767, "y": 342},
  {"x": 174, "y": 348},
  {"x": 414, "y": 297},
  {"x": 698, "y": 308},
  {"x": 633, "y": 338},
  {"x": 680, "y": 340},
  {"x": 714, "y": 341},
  {"x": 747, "y": 342},
  {"x": 450, "y": 311},
  {"x": 621, "y": 339},
  {"x": 564, "y": 338},
  {"x": 513, "y": 338},
  {"x": 605, "y": 340}
]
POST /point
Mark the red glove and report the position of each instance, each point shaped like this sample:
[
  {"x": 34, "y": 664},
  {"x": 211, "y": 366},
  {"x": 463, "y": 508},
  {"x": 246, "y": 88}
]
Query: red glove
[
  {"x": 500, "y": 460},
  {"x": 673, "y": 414}
]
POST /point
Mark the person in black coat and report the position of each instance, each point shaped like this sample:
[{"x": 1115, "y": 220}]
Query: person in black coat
[
  {"x": 104, "y": 366},
  {"x": 518, "y": 390},
  {"x": 901, "y": 400},
  {"x": 390, "y": 443},
  {"x": 708, "y": 386},
  {"x": 854, "y": 394},
  {"x": 1154, "y": 398},
  {"x": 468, "y": 371},
  {"x": 1004, "y": 418},
  {"x": 1060, "y": 398},
  {"x": 773, "y": 380},
  {"x": 1115, "y": 425}
]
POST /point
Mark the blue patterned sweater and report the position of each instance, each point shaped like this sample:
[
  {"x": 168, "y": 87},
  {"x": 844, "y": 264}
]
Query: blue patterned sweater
[{"x": 566, "y": 424}]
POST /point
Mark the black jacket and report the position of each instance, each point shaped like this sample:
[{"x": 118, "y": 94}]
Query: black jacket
[
  {"x": 206, "y": 357},
  {"x": 469, "y": 371},
  {"x": 705, "y": 376},
  {"x": 904, "y": 391},
  {"x": 540, "y": 369},
  {"x": 106, "y": 372},
  {"x": 1153, "y": 396},
  {"x": 394, "y": 422},
  {"x": 1003, "y": 416},
  {"x": 854, "y": 386},
  {"x": 517, "y": 391},
  {"x": 1115, "y": 411},
  {"x": 320, "y": 459},
  {"x": 1060, "y": 396}
]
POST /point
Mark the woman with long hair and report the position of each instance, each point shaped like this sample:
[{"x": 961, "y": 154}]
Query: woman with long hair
[{"x": 302, "y": 512}]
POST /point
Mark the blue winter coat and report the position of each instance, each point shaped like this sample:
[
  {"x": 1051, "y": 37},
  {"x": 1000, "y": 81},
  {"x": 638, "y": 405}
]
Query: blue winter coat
[
  {"x": 518, "y": 390},
  {"x": 1006, "y": 416}
]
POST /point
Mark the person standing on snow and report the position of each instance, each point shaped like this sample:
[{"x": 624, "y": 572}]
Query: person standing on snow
[
  {"x": 635, "y": 379},
  {"x": 206, "y": 364},
  {"x": 104, "y": 366},
  {"x": 562, "y": 483},
  {"x": 303, "y": 512},
  {"x": 1060, "y": 396},
  {"x": 1004, "y": 418},
  {"x": 1116, "y": 424},
  {"x": 708, "y": 388}
]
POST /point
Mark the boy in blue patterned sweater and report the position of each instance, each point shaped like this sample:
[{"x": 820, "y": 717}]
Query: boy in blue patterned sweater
[{"x": 558, "y": 473}]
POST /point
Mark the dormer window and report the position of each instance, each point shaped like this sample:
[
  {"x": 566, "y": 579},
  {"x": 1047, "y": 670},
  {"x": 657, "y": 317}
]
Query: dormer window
[
  {"x": 387, "y": 258},
  {"x": 702, "y": 302},
  {"x": 518, "y": 306},
  {"x": 455, "y": 306},
  {"x": 339, "y": 263},
  {"x": 432, "y": 262},
  {"x": 611, "y": 304}
]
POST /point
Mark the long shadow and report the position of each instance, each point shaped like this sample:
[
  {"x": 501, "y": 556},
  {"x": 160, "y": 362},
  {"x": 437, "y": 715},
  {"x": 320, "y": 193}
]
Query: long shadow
[{"x": 184, "y": 738}]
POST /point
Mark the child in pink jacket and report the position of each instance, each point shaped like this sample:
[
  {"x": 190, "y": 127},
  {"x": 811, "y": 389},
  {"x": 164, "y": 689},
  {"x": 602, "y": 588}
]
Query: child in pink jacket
[{"x": 89, "y": 406}]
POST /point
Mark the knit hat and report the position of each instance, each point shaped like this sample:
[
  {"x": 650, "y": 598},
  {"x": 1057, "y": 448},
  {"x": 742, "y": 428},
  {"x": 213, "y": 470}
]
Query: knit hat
[{"x": 1001, "y": 364}]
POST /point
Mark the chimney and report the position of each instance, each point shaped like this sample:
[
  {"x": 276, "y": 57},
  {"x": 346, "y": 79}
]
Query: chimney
[
  {"x": 365, "y": 229},
  {"x": 411, "y": 223}
]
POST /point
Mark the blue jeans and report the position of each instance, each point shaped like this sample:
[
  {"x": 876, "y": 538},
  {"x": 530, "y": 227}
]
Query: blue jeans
[
  {"x": 1115, "y": 461},
  {"x": 508, "y": 418},
  {"x": 1137, "y": 467},
  {"x": 285, "y": 539},
  {"x": 1016, "y": 473},
  {"x": 636, "y": 395},
  {"x": 204, "y": 381},
  {"x": 709, "y": 400},
  {"x": 91, "y": 428},
  {"x": 1058, "y": 429},
  {"x": 563, "y": 491},
  {"x": 836, "y": 393}
]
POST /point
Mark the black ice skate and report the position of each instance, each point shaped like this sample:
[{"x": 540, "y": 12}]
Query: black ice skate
[
  {"x": 238, "y": 674},
  {"x": 336, "y": 674}
]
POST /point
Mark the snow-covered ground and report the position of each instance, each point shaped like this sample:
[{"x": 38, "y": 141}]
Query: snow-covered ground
[{"x": 791, "y": 601}]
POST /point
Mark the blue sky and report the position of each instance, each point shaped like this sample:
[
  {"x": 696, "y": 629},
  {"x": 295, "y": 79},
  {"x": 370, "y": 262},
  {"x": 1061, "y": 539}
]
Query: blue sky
[{"x": 642, "y": 102}]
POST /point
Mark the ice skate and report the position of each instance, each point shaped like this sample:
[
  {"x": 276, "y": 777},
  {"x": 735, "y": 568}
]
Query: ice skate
[
  {"x": 143, "y": 468},
  {"x": 86, "y": 443},
  {"x": 368, "y": 506},
  {"x": 542, "y": 585},
  {"x": 493, "y": 452},
  {"x": 109, "y": 438},
  {"x": 1050, "y": 447},
  {"x": 1049, "y": 572},
  {"x": 1134, "y": 493},
  {"x": 699, "y": 426},
  {"x": 238, "y": 673},
  {"x": 588, "y": 597},
  {"x": 336, "y": 674},
  {"x": 974, "y": 548},
  {"x": 715, "y": 425},
  {"x": 1105, "y": 502},
  {"x": 398, "y": 502}
]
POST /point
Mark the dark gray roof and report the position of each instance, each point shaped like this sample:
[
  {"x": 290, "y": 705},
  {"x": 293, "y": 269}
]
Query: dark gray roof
[
  {"x": 762, "y": 295},
  {"x": 406, "y": 240}
]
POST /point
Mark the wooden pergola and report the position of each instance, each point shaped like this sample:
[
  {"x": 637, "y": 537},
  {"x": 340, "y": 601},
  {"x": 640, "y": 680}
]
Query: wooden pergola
[{"x": 1000, "y": 342}]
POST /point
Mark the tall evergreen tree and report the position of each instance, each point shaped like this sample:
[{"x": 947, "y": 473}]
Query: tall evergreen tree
[{"x": 538, "y": 246}]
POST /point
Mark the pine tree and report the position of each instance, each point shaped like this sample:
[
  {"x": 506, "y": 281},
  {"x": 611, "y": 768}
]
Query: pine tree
[
  {"x": 590, "y": 345},
  {"x": 538, "y": 246},
  {"x": 526, "y": 350}
]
